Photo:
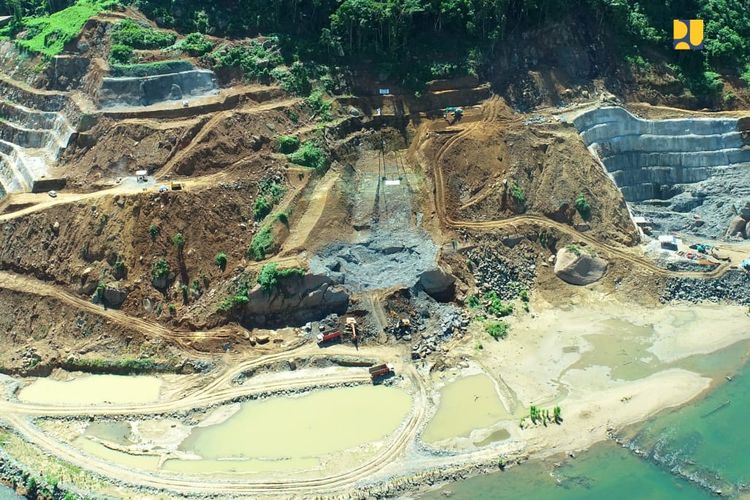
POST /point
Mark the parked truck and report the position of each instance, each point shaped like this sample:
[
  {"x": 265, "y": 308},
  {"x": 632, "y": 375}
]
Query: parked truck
[
  {"x": 379, "y": 371},
  {"x": 328, "y": 337}
]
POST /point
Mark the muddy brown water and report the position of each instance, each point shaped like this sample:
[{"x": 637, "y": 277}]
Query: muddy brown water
[
  {"x": 92, "y": 389},
  {"x": 467, "y": 404}
]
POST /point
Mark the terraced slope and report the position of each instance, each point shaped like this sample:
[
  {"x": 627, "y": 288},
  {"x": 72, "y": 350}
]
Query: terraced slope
[
  {"x": 33, "y": 131},
  {"x": 665, "y": 168}
]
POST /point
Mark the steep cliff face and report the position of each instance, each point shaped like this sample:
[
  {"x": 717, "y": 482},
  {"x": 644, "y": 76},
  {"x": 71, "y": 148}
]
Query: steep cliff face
[
  {"x": 683, "y": 173},
  {"x": 295, "y": 301}
]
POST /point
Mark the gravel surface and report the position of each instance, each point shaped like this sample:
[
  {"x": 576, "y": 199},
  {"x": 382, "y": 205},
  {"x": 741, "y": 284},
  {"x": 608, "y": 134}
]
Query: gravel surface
[{"x": 384, "y": 260}]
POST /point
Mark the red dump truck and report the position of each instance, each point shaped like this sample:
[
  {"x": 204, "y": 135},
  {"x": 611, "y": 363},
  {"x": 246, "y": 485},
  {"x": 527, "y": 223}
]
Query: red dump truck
[
  {"x": 380, "y": 371},
  {"x": 328, "y": 337}
]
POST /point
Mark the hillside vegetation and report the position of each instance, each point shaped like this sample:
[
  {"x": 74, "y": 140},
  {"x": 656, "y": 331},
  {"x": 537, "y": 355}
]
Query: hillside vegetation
[{"x": 412, "y": 40}]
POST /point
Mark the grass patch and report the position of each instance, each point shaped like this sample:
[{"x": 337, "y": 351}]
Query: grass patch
[
  {"x": 270, "y": 274},
  {"x": 49, "y": 34},
  {"x": 254, "y": 59},
  {"x": 148, "y": 69}
]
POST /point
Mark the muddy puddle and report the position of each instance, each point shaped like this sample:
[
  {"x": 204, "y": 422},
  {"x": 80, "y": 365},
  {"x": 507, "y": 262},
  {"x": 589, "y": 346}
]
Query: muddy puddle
[
  {"x": 92, "y": 389},
  {"x": 468, "y": 404},
  {"x": 321, "y": 430}
]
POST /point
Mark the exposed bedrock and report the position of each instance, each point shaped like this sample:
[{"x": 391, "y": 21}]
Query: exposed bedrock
[
  {"x": 143, "y": 91},
  {"x": 667, "y": 168},
  {"x": 295, "y": 301},
  {"x": 31, "y": 138}
]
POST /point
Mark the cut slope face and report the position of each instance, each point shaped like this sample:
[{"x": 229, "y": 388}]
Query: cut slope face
[
  {"x": 670, "y": 167},
  {"x": 147, "y": 90},
  {"x": 33, "y": 131}
]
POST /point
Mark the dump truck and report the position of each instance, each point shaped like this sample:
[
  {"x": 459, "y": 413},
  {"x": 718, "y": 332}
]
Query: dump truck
[
  {"x": 379, "y": 371},
  {"x": 328, "y": 337}
]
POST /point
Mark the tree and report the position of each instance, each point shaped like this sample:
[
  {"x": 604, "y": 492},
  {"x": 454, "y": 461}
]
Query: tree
[{"x": 179, "y": 242}]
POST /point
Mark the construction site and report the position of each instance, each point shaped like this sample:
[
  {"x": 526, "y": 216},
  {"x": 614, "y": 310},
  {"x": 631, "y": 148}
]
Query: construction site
[{"x": 187, "y": 309}]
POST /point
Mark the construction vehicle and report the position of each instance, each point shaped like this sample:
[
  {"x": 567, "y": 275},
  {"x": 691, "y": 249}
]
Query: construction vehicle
[
  {"x": 378, "y": 372},
  {"x": 453, "y": 114},
  {"x": 351, "y": 323},
  {"x": 328, "y": 337}
]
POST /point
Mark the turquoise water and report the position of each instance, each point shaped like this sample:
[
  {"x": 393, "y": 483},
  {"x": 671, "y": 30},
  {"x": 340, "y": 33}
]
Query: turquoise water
[
  {"x": 686, "y": 453},
  {"x": 7, "y": 494}
]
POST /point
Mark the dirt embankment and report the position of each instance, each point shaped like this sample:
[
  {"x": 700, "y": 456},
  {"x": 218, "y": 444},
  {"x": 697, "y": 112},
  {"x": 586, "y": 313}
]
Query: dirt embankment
[
  {"x": 39, "y": 333},
  {"x": 116, "y": 242}
]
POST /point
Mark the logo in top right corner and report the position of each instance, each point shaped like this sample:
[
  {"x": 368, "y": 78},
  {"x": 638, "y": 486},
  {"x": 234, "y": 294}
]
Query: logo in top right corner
[{"x": 687, "y": 34}]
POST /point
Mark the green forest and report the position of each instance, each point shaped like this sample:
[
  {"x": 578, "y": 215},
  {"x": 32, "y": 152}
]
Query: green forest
[{"x": 441, "y": 38}]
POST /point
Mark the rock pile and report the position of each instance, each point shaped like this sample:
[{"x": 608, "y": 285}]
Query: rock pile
[
  {"x": 732, "y": 287},
  {"x": 504, "y": 276}
]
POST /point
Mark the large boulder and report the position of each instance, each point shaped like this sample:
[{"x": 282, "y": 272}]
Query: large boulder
[
  {"x": 437, "y": 284},
  {"x": 111, "y": 296},
  {"x": 577, "y": 267},
  {"x": 737, "y": 227}
]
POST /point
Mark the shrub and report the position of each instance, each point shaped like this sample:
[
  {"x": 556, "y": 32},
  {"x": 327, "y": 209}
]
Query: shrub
[
  {"x": 179, "y": 242},
  {"x": 309, "y": 155},
  {"x": 119, "y": 267},
  {"x": 195, "y": 44},
  {"x": 262, "y": 208},
  {"x": 270, "y": 275},
  {"x": 524, "y": 295},
  {"x": 574, "y": 249},
  {"x": 128, "y": 32},
  {"x": 288, "y": 144},
  {"x": 153, "y": 231},
  {"x": 261, "y": 244},
  {"x": 497, "y": 329},
  {"x": 473, "y": 302},
  {"x": 120, "y": 54},
  {"x": 495, "y": 306},
  {"x": 319, "y": 105},
  {"x": 583, "y": 207},
  {"x": 745, "y": 76},
  {"x": 254, "y": 59},
  {"x": 272, "y": 188},
  {"x": 517, "y": 193},
  {"x": 160, "y": 269},
  {"x": 221, "y": 260}
]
